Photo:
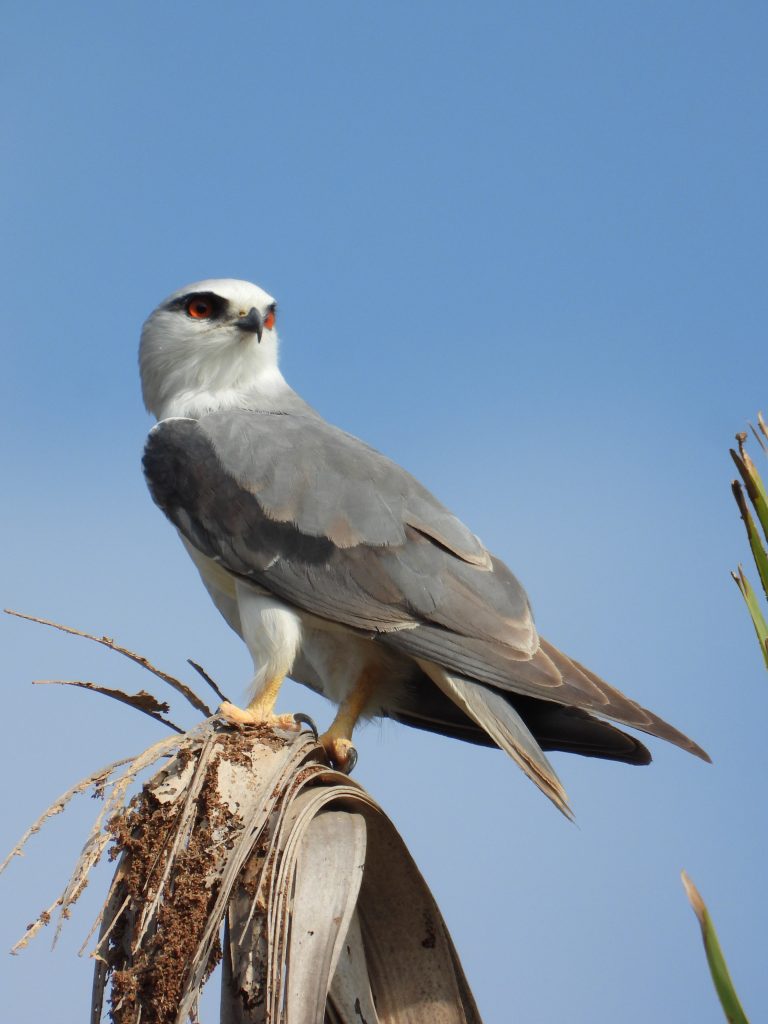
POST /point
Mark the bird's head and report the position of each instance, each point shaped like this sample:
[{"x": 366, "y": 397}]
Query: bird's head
[{"x": 208, "y": 346}]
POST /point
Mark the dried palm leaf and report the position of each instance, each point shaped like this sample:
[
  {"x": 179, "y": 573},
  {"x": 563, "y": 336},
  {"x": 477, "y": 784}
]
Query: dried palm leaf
[{"x": 325, "y": 916}]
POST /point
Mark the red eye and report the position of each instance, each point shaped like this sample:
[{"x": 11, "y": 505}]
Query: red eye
[
  {"x": 269, "y": 320},
  {"x": 200, "y": 309}
]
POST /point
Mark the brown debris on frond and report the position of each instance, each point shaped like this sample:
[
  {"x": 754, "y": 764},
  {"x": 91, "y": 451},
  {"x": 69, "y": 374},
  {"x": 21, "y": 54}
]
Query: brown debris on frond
[
  {"x": 326, "y": 914},
  {"x": 114, "y": 791}
]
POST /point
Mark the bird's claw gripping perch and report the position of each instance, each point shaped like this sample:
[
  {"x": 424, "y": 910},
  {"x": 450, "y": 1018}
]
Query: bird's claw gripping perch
[
  {"x": 351, "y": 761},
  {"x": 301, "y": 719}
]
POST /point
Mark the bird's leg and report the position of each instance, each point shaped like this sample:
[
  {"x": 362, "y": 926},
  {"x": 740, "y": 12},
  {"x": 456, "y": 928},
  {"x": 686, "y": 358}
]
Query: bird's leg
[
  {"x": 337, "y": 740},
  {"x": 259, "y": 710},
  {"x": 272, "y": 633}
]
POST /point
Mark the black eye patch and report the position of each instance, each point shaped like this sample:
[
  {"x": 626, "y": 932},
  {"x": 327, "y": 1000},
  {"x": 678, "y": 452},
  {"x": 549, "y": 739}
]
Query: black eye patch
[{"x": 215, "y": 304}]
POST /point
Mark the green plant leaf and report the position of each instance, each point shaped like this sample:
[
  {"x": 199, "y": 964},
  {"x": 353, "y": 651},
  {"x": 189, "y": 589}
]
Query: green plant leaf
[
  {"x": 752, "y": 482},
  {"x": 758, "y": 551},
  {"x": 717, "y": 965},
  {"x": 758, "y": 620}
]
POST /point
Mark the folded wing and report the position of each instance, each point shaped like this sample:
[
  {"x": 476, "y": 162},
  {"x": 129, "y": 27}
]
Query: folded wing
[{"x": 337, "y": 529}]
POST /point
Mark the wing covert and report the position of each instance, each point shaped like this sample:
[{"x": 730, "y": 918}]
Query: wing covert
[
  {"x": 328, "y": 483},
  {"x": 257, "y": 524}
]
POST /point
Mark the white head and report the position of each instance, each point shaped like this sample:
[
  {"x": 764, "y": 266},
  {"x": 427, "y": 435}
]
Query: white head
[{"x": 210, "y": 345}]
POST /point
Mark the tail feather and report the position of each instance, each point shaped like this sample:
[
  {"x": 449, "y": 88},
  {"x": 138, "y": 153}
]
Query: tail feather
[
  {"x": 553, "y": 727},
  {"x": 549, "y": 675},
  {"x": 498, "y": 718},
  {"x": 577, "y": 732}
]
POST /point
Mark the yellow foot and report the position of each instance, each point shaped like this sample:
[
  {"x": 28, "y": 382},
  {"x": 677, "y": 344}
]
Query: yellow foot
[
  {"x": 340, "y": 751},
  {"x": 253, "y": 716}
]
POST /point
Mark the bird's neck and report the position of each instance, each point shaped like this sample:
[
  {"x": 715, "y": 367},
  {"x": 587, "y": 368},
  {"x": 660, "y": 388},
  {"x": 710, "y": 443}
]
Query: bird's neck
[{"x": 267, "y": 392}]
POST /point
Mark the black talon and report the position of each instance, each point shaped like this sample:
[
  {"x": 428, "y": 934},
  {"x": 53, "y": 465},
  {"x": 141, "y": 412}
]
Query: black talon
[
  {"x": 303, "y": 719},
  {"x": 351, "y": 761}
]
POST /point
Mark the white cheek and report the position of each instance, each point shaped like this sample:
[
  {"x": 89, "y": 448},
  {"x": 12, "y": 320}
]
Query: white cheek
[{"x": 189, "y": 369}]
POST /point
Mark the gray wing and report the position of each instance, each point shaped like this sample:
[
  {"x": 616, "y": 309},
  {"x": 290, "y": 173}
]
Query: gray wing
[
  {"x": 330, "y": 484},
  {"x": 333, "y": 527}
]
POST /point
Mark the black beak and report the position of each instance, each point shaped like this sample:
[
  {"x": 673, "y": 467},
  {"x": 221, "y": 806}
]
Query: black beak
[{"x": 252, "y": 322}]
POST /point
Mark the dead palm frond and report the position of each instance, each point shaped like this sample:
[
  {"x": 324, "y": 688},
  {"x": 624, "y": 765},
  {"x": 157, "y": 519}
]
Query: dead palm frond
[{"x": 245, "y": 848}]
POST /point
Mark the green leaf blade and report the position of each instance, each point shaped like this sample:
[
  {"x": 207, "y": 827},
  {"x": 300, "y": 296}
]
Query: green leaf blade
[
  {"x": 754, "y": 485},
  {"x": 758, "y": 620},
  {"x": 718, "y": 968},
  {"x": 755, "y": 543}
]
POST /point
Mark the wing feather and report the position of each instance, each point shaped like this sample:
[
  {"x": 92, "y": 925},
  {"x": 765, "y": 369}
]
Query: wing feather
[
  {"x": 329, "y": 484},
  {"x": 381, "y": 584},
  {"x": 335, "y": 528}
]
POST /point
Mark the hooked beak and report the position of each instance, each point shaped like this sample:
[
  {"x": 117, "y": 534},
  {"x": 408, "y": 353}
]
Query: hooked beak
[{"x": 251, "y": 322}]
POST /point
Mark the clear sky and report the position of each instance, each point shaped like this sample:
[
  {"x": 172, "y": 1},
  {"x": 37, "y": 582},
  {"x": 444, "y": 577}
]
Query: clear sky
[{"x": 520, "y": 247}]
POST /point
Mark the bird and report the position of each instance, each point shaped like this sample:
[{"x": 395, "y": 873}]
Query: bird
[{"x": 339, "y": 569}]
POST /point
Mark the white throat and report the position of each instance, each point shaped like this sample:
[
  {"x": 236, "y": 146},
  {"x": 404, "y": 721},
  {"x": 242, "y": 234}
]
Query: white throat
[
  {"x": 208, "y": 371},
  {"x": 195, "y": 401}
]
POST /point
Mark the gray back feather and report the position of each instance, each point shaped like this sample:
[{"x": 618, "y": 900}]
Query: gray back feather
[{"x": 329, "y": 484}]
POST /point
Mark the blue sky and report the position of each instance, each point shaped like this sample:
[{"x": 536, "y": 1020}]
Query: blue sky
[{"x": 521, "y": 249}]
